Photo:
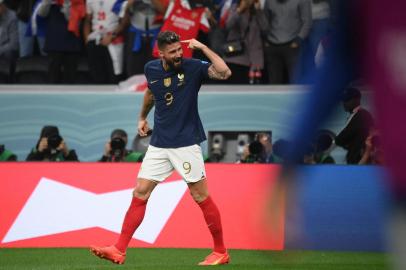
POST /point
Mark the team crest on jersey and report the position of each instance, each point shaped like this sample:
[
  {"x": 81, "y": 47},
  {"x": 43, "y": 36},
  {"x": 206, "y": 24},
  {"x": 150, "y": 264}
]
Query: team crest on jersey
[
  {"x": 194, "y": 15},
  {"x": 167, "y": 82},
  {"x": 181, "y": 78}
]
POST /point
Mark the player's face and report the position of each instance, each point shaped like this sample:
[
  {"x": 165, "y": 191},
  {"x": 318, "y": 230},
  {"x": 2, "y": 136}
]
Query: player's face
[{"x": 172, "y": 54}]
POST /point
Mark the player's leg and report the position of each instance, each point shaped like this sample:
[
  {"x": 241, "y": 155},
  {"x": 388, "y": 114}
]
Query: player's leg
[
  {"x": 188, "y": 162},
  {"x": 133, "y": 218},
  {"x": 135, "y": 213},
  {"x": 154, "y": 169},
  {"x": 200, "y": 194}
]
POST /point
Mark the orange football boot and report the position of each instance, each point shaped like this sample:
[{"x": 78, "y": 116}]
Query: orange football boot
[
  {"x": 110, "y": 253},
  {"x": 216, "y": 258}
]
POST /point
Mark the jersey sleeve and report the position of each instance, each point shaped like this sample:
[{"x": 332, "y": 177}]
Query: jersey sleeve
[
  {"x": 147, "y": 75},
  {"x": 204, "y": 67}
]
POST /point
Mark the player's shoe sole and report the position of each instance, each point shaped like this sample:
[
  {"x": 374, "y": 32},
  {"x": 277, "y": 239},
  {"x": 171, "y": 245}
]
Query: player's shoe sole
[
  {"x": 110, "y": 253},
  {"x": 216, "y": 258}
]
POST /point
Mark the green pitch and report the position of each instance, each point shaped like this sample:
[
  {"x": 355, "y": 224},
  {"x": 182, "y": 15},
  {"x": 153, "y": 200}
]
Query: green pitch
[{"x": 168, "y": 259}]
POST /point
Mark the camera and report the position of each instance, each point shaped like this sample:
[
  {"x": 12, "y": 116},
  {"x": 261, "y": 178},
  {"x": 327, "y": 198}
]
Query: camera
[
  {"x": 117, "y": 144},
  {"x": 54, "y": 141},
  {"x": 117, "y": 148},
  {"x": 256, "y": 150},
  {"x": 217, "y": 148}
]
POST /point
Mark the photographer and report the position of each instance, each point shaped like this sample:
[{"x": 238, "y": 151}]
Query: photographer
[
  {"x": 51, "y": 147},
  {"x": 6, "y": 155},
  {"x": 115, "y": 151},
  {"x": 260, "y": 150},
  {"x": 253, "y": 153}
]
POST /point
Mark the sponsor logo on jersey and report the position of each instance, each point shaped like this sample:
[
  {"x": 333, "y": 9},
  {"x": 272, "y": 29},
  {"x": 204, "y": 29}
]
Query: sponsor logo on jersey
[{"x": 167, "y": 82}]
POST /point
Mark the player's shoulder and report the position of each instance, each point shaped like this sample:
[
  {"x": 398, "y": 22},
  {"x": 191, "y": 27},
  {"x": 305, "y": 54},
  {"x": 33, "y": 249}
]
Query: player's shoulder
[
  {"x": 153, "y": 65},
  {"x": 193, "y": 62}
]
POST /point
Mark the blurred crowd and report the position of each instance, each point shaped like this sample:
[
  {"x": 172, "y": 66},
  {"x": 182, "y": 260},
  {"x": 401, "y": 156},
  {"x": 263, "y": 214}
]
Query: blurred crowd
[{"x": 263, "y": 41}]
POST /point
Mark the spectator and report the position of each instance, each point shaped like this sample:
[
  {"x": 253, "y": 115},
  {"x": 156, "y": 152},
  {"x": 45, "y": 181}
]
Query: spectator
[
  {"x": 323, "y": 146},
  {"x": 289, "y": 24},
  {"x": 51, "y": 147},
  {"x": 314, "y": 46},
  {"x": 260, "y": 150},
  {"x": 62, "y": 40},
  {"x": 6, "y": 155},
  {"x": 31, "y": 28},
  {"x": 320, "y": 26},
  {"x": 186, "y": 18},
  {"x": 145, "y": 19},
  {"x": 217, "y": 15},
  {"x": 104, "y": 40},
  {"x": 115, "y": 149},
  {"x": 8, "y": 33},
  {"x": 245, "y": 22},
  {"x": 253, "y": 153},
  {"x": 354, "y": 134},
  {"x": 265, "y": 138}
]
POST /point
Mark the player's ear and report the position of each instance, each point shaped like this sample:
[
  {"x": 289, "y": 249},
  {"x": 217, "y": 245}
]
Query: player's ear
[{"x": 161, "y": 53}]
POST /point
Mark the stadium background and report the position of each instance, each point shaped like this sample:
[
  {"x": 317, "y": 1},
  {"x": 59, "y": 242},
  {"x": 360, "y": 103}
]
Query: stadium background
[
  {"x": 341, "y": 207},
  {"x": 86, "y": 115}
]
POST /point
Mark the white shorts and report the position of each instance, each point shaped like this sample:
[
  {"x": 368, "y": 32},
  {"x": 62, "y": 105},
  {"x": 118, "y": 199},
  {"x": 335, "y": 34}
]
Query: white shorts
[{"x": 159, "y": 163}]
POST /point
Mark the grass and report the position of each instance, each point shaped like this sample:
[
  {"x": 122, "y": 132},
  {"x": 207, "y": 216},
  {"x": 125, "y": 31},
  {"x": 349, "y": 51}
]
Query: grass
[{"x": 168, "y": 259}]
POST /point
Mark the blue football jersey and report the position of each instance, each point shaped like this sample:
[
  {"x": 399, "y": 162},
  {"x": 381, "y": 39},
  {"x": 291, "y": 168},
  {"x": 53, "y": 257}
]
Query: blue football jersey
[{"x": 176, "y": 120}]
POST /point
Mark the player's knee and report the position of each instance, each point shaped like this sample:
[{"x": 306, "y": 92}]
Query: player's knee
[
  {"x": 141, "y": 193},
  {"x": 199, "y": 196}
]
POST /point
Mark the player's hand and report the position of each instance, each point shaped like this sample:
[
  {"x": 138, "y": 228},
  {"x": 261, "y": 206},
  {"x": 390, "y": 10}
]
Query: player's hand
[
  {"x": 107, "y": 39},
  {"x": 43, "y": 144},
  {"x": 63, "y": 147},
  {"x": 107, "y": 149},
  {"x": 194, "y": 44},
  {"x": 143, "y": 128}
]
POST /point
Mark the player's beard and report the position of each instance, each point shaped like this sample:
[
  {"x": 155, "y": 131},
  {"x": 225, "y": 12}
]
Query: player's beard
[{"x": 175, "y": 64}]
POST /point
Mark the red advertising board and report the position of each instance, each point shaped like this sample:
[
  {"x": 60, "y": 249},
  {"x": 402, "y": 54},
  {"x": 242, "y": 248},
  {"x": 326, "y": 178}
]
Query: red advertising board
[{"x": 78, "y": 204}]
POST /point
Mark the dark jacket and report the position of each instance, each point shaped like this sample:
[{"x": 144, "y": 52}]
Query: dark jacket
[
  {"x": 237, "y": 25},
  {"x": 35, "y": 155},
  {"x": 58, "y": 38},
  {"x": 353, "y": 136}
]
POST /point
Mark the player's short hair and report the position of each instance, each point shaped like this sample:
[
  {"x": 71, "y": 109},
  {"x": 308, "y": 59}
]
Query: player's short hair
[{"x": 165, "y": 38}]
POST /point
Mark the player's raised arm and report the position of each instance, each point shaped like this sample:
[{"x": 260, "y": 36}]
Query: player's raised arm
[
  {"x": 219, "y": 69},
  {"x": 147, "y": 105}
]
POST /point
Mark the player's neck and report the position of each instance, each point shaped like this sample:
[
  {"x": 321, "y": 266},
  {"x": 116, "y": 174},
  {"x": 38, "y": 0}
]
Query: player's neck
[{"x": 165, "y": 65}]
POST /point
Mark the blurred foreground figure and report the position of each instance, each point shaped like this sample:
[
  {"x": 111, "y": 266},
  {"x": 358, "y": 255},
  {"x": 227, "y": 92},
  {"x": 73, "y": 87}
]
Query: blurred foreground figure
[{"x": 370, "y": 41}]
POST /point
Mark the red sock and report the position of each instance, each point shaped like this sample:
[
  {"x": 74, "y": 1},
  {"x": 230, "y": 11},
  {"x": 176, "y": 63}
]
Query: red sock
[
  {"x": 213, "y": 221},
  {"x": 133, "y": 218}
]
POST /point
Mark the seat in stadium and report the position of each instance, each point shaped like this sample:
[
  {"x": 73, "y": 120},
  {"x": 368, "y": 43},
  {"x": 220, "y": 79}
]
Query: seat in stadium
[{"x": 32, "y": 70}]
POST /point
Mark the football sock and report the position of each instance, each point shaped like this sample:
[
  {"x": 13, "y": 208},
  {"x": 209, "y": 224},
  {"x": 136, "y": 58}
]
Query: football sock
[
  {"x": 133, "y": 218},
  {"x": 213, "y": 221}
]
